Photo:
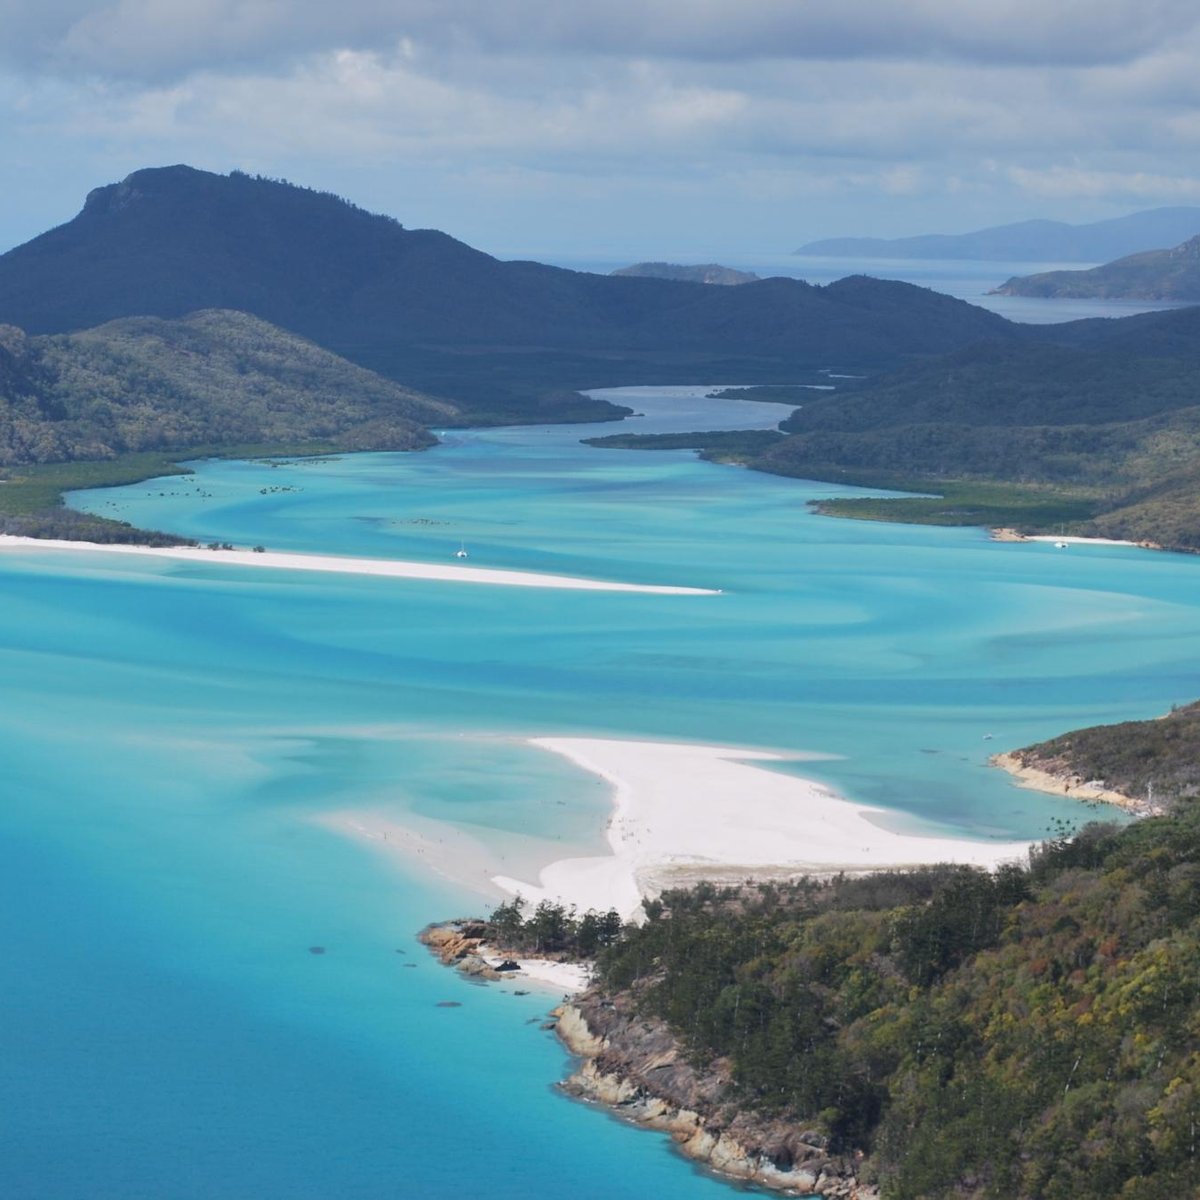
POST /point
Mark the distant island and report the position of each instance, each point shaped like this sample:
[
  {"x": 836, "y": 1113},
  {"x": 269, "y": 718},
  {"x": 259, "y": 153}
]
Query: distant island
[
  {"x": 705, "y": 273},
  {"x": 1029, "y": 241},
  {"x": 1151, "y": 275}
]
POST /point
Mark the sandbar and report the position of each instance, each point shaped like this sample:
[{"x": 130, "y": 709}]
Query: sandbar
[
  {"x": 685, "y": 812},
  {"x": 345, "y": 565}
]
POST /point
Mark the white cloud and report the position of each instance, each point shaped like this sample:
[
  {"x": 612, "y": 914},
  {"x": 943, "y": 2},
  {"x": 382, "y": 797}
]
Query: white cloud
[
  {"x": 1074, "y": 182},
  {"x": 163, "y": 38}
]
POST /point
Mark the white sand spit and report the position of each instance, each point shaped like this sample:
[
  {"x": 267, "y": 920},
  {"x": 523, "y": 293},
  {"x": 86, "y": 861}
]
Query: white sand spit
[
  {"x": 389, "y": 568},
  {"x": 709, "y": 811}
]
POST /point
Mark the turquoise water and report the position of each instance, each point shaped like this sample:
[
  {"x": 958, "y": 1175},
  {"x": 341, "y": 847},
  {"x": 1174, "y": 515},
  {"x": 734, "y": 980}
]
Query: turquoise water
[{"x": 172, "y": 732}]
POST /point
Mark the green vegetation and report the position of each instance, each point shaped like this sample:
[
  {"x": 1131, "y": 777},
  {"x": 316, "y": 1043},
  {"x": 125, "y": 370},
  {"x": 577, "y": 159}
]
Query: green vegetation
[
  {"x": 212, "y": 378},
  {"x": 723, "y": 445},
  {"x": 1136, "y": 758},
  {"x": 124, "y": 402},
  {"x": 551, "y": 929},
  {"x": 1032, "y": 1033},
  {"x": 774, "y": 393},
  {"x": 1149, "y": 275}
]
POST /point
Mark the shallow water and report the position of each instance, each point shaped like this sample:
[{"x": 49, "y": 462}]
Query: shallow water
[{"x": 172, "y": 731}]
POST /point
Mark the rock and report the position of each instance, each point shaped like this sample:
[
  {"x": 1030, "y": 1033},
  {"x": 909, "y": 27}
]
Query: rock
[{"x": 634, "y": 1066}]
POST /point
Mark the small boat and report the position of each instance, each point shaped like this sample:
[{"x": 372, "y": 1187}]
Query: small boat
[{"x": 461, "y": 552}]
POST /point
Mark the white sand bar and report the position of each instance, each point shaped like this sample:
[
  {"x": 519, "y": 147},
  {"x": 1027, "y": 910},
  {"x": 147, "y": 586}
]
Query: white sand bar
[
  {"x": 388, "y": 568},
  {"x": 683, "y": 812}
]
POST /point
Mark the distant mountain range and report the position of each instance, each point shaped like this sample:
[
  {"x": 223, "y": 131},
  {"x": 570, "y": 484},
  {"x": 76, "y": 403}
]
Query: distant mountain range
[
  {"x": 704, "y": 273},
  {"x": 1151, "y": 275},
  {"x": 501, "y": 338},
  {"x": 1030, "y": 241}
]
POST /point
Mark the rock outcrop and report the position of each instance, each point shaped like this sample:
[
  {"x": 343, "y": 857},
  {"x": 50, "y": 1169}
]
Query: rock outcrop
[
  {"x": 460, "y": 944},
  {"x": 635, "y": 1066}
]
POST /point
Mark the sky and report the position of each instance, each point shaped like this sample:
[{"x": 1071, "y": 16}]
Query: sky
[{"x": 681, "y": 129}]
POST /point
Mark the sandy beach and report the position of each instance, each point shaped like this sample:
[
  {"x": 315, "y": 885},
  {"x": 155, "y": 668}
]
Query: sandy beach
[
  {"x": 1072, "y": 786},
  {"x": 387, "y": 568},
  {"x": 683, "y": 812},
  {"x": 1011, "y": 535}
]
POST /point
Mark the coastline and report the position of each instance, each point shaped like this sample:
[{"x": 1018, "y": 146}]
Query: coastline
[
  {"x": 1074, "y": 787},
  {"x": 460, "y": 944},
  {"x": 633, "y": 1066},
  {"x": 684, "y": 812},
  {"x": 1006, "y": 534},
  {"x": 347, "y": 565}
]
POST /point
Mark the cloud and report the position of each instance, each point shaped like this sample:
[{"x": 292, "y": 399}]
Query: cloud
[
  {"x": 1073, "y": 182},
  {"x": 164, "y": 39}
]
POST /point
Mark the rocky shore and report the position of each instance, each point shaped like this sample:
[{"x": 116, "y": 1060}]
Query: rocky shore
[
  {"x": 463, "y": 945},
  {"x": 635, "y": 1067},
  {"x": 1056, "y": 777}
]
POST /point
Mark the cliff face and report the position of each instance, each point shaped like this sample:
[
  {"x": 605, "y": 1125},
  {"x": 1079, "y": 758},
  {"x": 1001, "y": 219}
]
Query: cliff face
[{"x": 635, "y": 1066}]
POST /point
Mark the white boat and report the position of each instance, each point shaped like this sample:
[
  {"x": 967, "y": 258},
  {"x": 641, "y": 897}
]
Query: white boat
[{"x": 461, "y": 552}]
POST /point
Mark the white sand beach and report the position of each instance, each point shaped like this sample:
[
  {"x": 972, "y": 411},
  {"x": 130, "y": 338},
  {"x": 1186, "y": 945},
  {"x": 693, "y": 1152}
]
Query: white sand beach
[
  {"x": 388, "y": 568},
  {"x": 684, "y": 812}
]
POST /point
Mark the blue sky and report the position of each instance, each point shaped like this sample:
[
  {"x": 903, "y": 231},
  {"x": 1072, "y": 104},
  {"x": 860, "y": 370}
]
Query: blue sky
[{"x": 666, "y": 128}]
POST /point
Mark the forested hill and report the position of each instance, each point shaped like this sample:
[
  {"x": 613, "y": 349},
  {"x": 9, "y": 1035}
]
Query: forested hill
[
  {"x": 1031, "y": 1035},
  {"x": 1151, "y": 275},
  {"x": 211, "y": 379},
  {"x": 432, "y": 312}
]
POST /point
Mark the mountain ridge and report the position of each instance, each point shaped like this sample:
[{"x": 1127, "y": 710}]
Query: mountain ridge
[
  {"x": 1029, "y": 241},
  {"x": 423, "y": 308}
]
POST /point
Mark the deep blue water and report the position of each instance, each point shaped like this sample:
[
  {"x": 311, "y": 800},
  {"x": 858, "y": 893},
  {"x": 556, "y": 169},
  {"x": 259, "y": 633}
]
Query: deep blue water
[{"x": 171, "y": 732}]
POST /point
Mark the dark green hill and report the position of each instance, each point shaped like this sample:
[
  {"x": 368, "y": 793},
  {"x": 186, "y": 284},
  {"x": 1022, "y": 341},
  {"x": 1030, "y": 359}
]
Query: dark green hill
[
  {"x": 118, "y": 403},
  {"x": 1101, "y": 434},
  {"x": 1151, "y": 275},
  {"x": 418, "y": 306},
  {"x": 1106, "y": 440},
  {"x": 1028, "y": 1034},
  {"x": 213, "y": 378}
]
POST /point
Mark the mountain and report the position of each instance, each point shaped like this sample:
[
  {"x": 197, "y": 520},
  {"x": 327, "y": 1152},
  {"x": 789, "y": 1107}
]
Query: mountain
[
  {"x": 1151, "y": 275},
  {"x": 704, "y": 273},
  {"x": 212, "y": 379},
  {"x": 420, "y": 307},
  {"x": 1030, "y": 241}
]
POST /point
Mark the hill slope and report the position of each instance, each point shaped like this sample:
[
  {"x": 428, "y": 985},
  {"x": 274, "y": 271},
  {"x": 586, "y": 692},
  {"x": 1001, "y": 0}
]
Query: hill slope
[
  {"x": 1030, "y": 241},
  {"x": 211, "y": 379},
  {"x": 949, "y": 1033},
  {"x": 1151, "y": 275},
  {"x": 419, "y": 306}
]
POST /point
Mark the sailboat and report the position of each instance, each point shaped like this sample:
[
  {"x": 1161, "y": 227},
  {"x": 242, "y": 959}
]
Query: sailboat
[{"x": 461, "y": 552}]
